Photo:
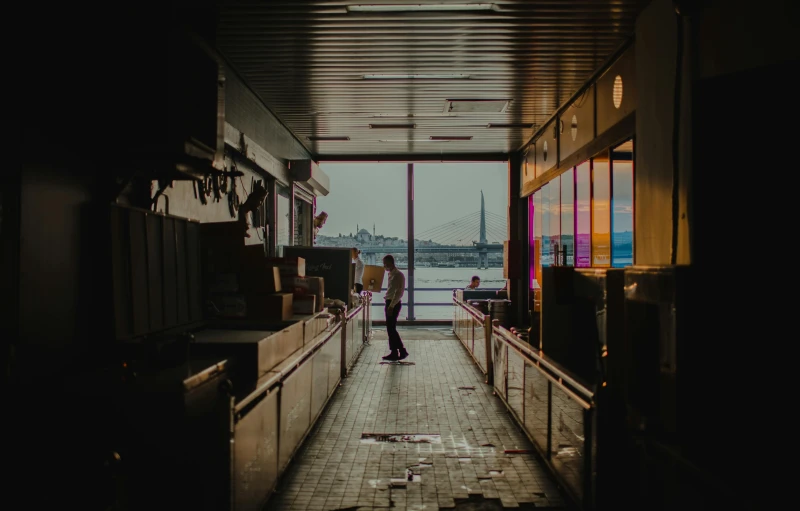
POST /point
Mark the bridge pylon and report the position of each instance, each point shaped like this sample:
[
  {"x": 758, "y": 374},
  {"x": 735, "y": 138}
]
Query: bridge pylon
[{"x": 483, "y": 258}]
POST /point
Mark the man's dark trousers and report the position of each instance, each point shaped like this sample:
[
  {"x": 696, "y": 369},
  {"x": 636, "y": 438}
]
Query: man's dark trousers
[{"x": 395, "y": 343}]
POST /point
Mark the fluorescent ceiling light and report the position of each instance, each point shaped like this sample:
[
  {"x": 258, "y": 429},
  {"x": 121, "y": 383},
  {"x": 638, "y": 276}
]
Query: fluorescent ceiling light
[
  {"x": 415, "y": 140},
  {"x": 510, "y": 125},
  {"x": 442, "y": 138},
  {"x": 328, "y": 138},
  {"x": 431, "y": 139},
  {"x": 446, "y": 76},
  {"x": 393, "y": 126},
  {"x": 419, "y": 7},
  {"x": 474, "y": 106}
]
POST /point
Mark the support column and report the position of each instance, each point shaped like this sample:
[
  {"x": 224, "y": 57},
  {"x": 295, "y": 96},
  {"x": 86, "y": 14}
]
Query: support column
[
  {"x": 410, "y": 211},
  {"x": 272, "y": 222},
  {"x": 292, "y": 219},
  {"x": 518, "y": 234}
]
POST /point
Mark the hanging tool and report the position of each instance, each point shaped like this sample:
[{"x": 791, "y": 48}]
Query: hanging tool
[
  {"x": 252, "y": 203},
  {"x": 162, "y": 186},
  {"x": 201, "y": 191},
  {"x": 233, "y": 198}
]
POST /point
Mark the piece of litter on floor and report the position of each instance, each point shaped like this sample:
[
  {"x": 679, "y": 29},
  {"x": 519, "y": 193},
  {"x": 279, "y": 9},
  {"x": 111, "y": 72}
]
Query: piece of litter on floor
[{"x": 410, "y": 438}]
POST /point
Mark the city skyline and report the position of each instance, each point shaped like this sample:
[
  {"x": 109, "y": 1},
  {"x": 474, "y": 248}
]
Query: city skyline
[{"x": 364, "y": 194}]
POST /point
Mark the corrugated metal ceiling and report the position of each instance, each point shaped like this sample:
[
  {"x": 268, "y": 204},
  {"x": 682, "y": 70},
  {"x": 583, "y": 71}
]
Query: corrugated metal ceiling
[{"x": 314, "y": 63}]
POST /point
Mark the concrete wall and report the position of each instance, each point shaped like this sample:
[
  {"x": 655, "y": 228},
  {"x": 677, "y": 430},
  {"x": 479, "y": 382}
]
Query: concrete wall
[
  {"x": 720, "y": 38},
  {"x": 182, "y": 201},
  {"x": 655, "y": 49},
  {"x": 248, "y": 114},
  {"x": 737, "y": 146}
]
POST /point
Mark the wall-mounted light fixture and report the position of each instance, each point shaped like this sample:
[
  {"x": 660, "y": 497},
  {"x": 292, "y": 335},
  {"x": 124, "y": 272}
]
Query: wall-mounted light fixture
[
  {"x": 415, "y": 140},
  {"x": 436, "y": 76},
  {"x": 420, "y": 7}
]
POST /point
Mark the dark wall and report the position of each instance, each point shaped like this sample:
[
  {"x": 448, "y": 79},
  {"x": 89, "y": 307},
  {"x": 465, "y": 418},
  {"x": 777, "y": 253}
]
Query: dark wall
[
  {"x": 738, "y": 244},
  {"x": 60, "y": 250},
  {"x": 90, "y": 99}
]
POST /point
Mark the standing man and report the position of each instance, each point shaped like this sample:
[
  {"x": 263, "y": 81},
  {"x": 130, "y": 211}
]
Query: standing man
[{"x": 393, "y": 296}]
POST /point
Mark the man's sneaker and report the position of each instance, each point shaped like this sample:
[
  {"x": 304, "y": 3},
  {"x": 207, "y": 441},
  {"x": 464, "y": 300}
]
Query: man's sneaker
[
  {"x": 391, "y": 356},
  {"x": 403, "y": 354}
]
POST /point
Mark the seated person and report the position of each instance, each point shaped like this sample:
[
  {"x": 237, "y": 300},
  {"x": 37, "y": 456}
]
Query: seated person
[{"x": 474, "y": 283}]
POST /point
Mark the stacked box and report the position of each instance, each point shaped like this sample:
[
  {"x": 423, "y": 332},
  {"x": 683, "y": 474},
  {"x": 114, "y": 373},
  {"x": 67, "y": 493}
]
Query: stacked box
[
  {"x": 304, "y": 288},
  {"x": 289, "y": 266},
  {"x": 304, "y": 304},
  {"x": 307, "y": 295},
  {"x": 240, "y": 281}
]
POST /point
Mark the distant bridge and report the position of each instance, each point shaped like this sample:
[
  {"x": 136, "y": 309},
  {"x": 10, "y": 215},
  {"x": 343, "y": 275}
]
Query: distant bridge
[
  {"x": 452, "y": 237},
  {"x": 478, "y": 247}
]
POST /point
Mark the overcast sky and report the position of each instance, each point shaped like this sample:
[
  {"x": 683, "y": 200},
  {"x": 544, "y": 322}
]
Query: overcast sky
[{"x": 367, "y": 193}]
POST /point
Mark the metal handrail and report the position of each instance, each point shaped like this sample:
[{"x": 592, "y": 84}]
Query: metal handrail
[
  {"x": 553, "y": 370},
  {"x": 354, "y": 311},
  {"x": 381, "y": 304},
  {"x": 434, "y": 304},
  {"x": 448, "y": 289}
]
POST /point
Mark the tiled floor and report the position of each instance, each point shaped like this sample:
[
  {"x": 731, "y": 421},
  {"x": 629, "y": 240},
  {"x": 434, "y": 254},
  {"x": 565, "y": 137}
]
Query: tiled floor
[{"x": 441, "y": 394}]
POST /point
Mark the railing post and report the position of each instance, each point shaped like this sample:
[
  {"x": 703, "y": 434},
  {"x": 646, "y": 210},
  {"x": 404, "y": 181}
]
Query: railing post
[
  {"x": 343, "y": 343},
  {"x": 488, "y": 327},
  {"x": 365, "y": 314},
  {"x": 410, "y": 212},
  {"x": 588, "y": 461},
  {"x": 549, "y": 420}
]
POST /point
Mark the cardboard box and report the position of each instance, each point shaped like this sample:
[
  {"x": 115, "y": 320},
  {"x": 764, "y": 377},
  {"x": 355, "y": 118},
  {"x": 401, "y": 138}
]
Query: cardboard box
[
  {"x": 304, "y": 304},
  {"x": 334, "y": 264},
  {"x": 314, "y": 326},
  {"x": 373, "y": 278},
  {"x": 253, "y": 352},
  {"x": 274, "y": 306},
  {"x": 289, "y": 266},
  {"x": 269, "y": 306},
  {"x": 306, "y": 286},
  {"x": 260, "y": 279}
]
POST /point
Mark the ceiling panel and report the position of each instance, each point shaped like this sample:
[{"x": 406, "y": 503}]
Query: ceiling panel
[{"x": 314, "y": 64}]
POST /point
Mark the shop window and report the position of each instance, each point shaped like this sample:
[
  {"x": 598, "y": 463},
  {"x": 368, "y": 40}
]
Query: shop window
[
  {"x": 303, "y": 234},
  {"x": 538, "y": 217},
  {"x": 554, "y": 187},
  {"x": 283, "y": 221},
  {"x": 583, "y": 215},
  {"x": 601, "y": 205},
  {"x": 568, "y": 217},
  {"x": 622, "y": 205},
  {"x": 546, "y": 258}
]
